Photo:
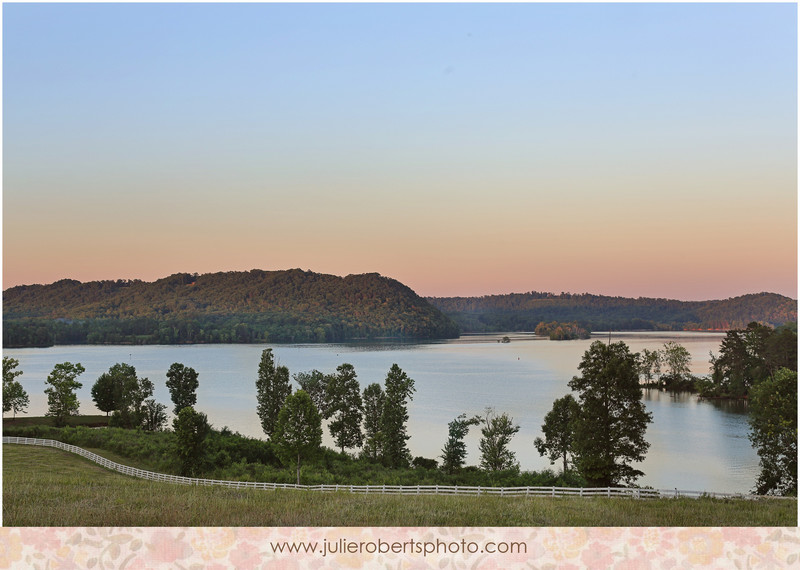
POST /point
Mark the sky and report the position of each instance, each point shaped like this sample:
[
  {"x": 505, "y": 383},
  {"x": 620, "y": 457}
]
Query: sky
[{"x": 638, "y": 150}]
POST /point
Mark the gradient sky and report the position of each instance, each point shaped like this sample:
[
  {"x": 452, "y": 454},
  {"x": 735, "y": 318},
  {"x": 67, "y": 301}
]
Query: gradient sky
[{"x": 463, "y": 149}]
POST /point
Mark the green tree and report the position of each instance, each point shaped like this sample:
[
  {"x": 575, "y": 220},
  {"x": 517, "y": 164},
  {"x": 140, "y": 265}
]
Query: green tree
[
  {"x": 154, "y": 415},
  {"x": 10, "y": 371},
  {"x": 314, "y": 383},
  {"x": 773, "y": 431},
  {"x": 190, "y": 428},
  {"x": 272, "y": 389},
  {"x": 649, "y": 362},
  {"x": 298, "y": 432},
  {"x": 139, "y": 399},
  {"x": 128, "y": 393},
  {"x": 345, "y": 407},
  {"x": 62, "y": 401},
  {"x": 105, "y": 393},
  {"x": 374, "y": 400},
  {"x": 497, "y": 432},
  {"x": 14, "y": 396},
  {"x": 454, "y": 452},
  {"x": 610, "y": 429},
  {"x": 741, "y": 361},
  {"x": 182, "y": 383},
  {"x": 399, "y": 390},
  {"x": 677, "y": 360},
  {"x": 558, "y": 430},
  {"x": 780, "y": 350}
]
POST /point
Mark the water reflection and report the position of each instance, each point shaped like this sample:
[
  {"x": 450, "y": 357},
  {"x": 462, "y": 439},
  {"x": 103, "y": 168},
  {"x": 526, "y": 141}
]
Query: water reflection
[
  {"x": 695, "y": 444},
  {"x": 699, "y": 442}
]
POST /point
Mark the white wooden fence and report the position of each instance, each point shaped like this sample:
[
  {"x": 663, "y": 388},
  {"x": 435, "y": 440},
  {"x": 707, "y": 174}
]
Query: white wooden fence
[{"x": 381, "y": 489}]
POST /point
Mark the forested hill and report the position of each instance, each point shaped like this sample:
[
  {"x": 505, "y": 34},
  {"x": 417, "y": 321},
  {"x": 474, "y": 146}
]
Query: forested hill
[
  {"x": 301, "y": 306},
  {"x": 523, "y": 311},
  {"x": 253, "y": 306}
]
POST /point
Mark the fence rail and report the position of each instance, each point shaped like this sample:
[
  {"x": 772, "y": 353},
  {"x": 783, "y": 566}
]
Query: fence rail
[{"x": 381, "y": 489}]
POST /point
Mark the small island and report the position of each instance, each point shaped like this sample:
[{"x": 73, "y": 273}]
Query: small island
[{"x": 562, "y": 331}]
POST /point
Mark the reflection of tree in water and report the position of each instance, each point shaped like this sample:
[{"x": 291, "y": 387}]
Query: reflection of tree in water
[
  {"x": 730, "y": 406},
  {"x": 735, "y": 406}
]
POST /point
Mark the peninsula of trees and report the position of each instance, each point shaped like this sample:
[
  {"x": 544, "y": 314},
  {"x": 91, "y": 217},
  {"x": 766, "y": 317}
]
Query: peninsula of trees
[
  {"x": 233, "y": 307},
  {"x": 526, "y": 311}
]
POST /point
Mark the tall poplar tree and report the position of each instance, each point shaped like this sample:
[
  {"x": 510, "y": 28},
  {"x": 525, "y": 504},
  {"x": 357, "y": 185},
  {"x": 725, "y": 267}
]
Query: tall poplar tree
[
  {"x": 272, "y": 389},
  {"x": 298, "y": 431},
  {"x": 314, "y": 383},
  {"x": 374, "y": 400},
  {"x": 399, "y": 390},
  {"x": 345, "y": 407},
  {"x": 182, "y": 383}
]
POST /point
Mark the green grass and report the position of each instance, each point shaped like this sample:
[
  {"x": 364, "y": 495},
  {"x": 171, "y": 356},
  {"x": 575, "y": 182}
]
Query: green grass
[{"x": 49, "y": 487}]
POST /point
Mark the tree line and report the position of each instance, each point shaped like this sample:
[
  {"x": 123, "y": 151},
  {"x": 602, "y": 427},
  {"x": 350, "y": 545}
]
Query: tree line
[
  {"x": 747, "y": 357},
  {"x": 219, "y": 329},
  {"x": 524, "y": 311},
  {"x": 597, "y": 434},
  {"x": 292, "y": 421}
]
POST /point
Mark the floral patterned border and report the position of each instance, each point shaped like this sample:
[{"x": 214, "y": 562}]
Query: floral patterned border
[{"x": 257, "y": 548}]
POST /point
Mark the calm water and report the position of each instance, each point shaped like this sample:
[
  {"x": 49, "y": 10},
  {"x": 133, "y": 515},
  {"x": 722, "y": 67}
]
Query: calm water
[{"x": 694, "y": 445}]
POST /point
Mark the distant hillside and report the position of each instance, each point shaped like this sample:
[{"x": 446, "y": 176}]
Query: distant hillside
[
  {"x": 524, "y": 311},
  {"x": 253, "y": 306}
]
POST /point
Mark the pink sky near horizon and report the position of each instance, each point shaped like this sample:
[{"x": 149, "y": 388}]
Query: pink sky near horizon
[
  {"x": 440, "y": 241},
  {"x": 471, "y": 150},
  {"x": 711, "y": 240},
  {"x": 656, "y": 265}
]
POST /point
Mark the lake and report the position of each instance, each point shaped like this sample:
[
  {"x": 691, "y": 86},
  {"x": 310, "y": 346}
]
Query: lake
[{"x": 695, "y": 445}]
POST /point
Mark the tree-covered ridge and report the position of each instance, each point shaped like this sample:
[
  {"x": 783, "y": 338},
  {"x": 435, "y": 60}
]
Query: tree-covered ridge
[
  {"x": 524, "y": 311},
  {"x": 253, "y": 306}
]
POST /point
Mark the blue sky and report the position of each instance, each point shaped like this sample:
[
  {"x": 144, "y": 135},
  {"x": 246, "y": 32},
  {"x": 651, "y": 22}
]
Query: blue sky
[{"x": 460, "y": 148}]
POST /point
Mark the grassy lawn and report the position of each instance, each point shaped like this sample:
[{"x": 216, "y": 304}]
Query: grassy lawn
[{"x": 49, "y": 487}]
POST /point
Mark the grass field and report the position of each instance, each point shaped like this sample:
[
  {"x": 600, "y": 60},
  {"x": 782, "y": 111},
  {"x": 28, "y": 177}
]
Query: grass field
[{"x": 49, "y": 487}]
